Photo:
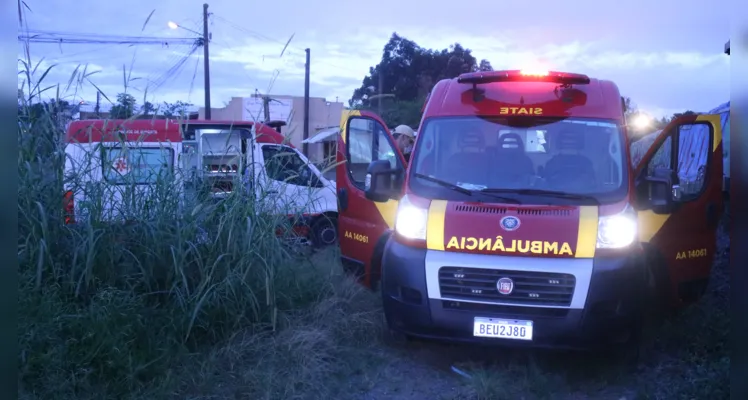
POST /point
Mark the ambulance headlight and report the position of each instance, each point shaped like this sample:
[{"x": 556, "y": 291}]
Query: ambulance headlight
[
  {"x": 617, "y": 231},
  {"x": 410, "y": 222}
]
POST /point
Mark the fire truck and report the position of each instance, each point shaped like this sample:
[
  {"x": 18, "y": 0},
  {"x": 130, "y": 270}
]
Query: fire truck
[
  {"x": 520, "y": 218},
  {"x": 124, "y": 160}
]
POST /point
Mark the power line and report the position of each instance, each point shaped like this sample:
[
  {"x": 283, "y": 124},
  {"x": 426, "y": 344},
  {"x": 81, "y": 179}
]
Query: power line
[
  {"x": 91, "y": 38},
  {"x": 174, "y": 70},
  {"x": 267, "y": 38}
]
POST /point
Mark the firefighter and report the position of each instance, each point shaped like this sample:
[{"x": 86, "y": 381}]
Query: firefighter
[{"x": 404, "y": 138}]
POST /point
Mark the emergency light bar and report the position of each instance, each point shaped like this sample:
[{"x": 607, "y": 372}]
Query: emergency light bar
[{"x": 563, "y": 78}]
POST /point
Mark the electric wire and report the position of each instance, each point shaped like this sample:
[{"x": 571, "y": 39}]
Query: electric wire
[
  {"x": 41, "y": 36},
  {"x": 173, "y": 71},
  {"x": 269, "y": 39}
]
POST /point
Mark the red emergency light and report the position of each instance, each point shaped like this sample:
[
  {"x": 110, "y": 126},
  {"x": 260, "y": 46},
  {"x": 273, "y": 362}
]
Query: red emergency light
[{"x": 562, "y": 78}]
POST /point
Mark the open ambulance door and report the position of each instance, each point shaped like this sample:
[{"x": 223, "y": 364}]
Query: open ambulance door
[
  {"x": 362, "y": 223},
  {"x": 679, "y": 204}
]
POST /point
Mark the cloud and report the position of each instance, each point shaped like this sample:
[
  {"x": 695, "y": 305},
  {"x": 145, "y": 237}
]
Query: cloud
[{"x": 660, "y": 80}]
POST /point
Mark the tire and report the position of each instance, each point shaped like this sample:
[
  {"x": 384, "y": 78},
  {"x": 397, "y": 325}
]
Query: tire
[
  {"x": 324, "y": 232},
  {"x": 635, "y": 352},
  {"x": 391, "y": 336}
]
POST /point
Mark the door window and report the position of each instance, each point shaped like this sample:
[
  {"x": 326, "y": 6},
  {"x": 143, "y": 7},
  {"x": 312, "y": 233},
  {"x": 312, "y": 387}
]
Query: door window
[
  {"x": 693, "y": 154},
  {"x": 138, "y": 165},
  {"x": 367, "y": 142},
  {"x": 662, "y": 159},
  {"x": 693, "y": 149},
  {"x": 283, "y": 164}
]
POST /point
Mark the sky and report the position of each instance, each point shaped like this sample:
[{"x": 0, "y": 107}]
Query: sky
[{"x": 667, "y": 55}]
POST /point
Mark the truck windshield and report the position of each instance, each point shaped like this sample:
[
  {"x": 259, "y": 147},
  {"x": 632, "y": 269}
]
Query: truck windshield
[{"x": 581, "y": 159}]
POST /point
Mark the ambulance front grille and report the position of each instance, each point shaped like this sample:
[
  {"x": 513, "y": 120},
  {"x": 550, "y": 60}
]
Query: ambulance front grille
[
  {"x": 487, "y": 209},
  {"x": 529, "y": 287}
]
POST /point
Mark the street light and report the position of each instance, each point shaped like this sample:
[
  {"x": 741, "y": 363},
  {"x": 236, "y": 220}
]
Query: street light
[{"x": 174, "y": 25}]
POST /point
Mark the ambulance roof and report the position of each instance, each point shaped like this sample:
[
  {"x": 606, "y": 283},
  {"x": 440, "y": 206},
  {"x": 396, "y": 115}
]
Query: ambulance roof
[
  {"x": 514, "y": 93},
  {"x": 156, "y": 130}
]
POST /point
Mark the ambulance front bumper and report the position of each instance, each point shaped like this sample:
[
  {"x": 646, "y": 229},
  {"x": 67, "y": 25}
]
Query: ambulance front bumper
[{"x": 605, "y": 305}]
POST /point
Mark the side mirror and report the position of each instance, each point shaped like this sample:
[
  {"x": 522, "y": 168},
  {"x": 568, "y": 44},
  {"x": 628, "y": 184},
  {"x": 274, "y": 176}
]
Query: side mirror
[
  {"x": 378, "y": 185},
  {"x": 662, "y": 194}
]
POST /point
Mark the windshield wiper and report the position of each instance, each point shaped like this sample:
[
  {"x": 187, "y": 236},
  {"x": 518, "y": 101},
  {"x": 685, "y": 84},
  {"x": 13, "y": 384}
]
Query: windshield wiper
[
  {"x": 461, "y": 189},
  {"x": 549, "y": 193},
  {"x": 445, "y": 184}
]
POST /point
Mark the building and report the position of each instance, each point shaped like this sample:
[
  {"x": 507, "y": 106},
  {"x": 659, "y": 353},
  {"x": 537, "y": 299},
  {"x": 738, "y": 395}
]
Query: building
[{"x": 323, "y": 115}]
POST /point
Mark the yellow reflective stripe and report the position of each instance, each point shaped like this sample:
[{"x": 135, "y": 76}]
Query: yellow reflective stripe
[
  {"x": 587, "y": 232},
  {"x": 649, "y": 224},
  {"x": 388, "y": 211},
  {"x": 435, "y": 226},
  {"x": 716, "y": 121},
  {"x": 344, "y": 116}
]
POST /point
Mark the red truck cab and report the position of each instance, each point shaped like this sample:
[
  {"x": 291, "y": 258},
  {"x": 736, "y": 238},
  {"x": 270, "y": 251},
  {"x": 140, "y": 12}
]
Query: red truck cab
[{"x": 520, "y": 218}]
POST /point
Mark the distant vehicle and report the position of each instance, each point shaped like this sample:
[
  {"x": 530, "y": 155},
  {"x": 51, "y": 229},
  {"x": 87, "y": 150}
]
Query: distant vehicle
[{"x": 135, "y": 154}]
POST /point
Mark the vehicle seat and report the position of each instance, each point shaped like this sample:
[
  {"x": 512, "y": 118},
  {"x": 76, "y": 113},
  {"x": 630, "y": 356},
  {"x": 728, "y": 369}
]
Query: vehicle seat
[
  {"x": 469, "y": 165},
  {"x": 512, "y": 166},
  {"x": 570, "y": 169}
]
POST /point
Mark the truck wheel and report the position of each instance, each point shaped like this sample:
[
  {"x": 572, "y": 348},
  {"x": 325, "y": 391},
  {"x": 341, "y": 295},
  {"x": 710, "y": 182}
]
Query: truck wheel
[{"x": 324, "y": 232}]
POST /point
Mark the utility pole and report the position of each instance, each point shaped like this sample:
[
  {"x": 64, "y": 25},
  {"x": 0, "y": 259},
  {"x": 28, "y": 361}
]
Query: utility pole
[
  {"x": 266, "y": 107},
  {"x": 98, "y": 103},
  {"x": 206, "y": 39},
  {"x": 306, "y": 103}
]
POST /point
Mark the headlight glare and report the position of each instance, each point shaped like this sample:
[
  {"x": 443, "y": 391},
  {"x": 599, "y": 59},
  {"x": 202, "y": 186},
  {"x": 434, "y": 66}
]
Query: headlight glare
[
  {"x": 617, "y": 231},
  {"x": 411, "y": 221}
]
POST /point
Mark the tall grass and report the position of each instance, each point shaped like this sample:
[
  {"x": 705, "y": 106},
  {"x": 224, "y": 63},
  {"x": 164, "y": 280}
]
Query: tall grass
[{"x": 110, "y": 309}]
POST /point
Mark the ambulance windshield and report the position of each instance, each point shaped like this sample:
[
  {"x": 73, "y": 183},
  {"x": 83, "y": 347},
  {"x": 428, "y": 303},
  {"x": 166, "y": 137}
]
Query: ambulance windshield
[{"x": 577, "y": 156}]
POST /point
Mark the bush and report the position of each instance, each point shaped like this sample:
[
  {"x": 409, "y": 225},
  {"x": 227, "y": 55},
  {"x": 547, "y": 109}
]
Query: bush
[{"x": 107, "y": 310}]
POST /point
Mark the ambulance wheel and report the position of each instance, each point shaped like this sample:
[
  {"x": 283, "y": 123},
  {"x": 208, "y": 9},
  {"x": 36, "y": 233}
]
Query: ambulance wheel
[
  {"x": 635, "y": 351},
  {"x": 324, "y": 232},
  {"x": 393, "y": 336}
]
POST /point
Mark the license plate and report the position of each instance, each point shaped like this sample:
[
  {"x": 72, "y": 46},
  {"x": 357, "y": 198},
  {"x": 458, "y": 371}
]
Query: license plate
[{"x": 502, "y": 328}]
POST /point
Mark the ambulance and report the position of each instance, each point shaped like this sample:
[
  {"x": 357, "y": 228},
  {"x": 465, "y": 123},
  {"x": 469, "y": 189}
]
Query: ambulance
[
  {"x": 114, "y": 169},
  {"x": 520, "y": 218}
]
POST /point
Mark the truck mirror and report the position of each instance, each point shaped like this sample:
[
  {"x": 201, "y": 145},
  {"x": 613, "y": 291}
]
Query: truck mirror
[{"x": 378, "y": 185}]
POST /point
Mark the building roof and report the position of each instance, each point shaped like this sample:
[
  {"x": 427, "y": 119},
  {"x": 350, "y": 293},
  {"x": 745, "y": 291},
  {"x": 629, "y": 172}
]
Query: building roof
[{"x": 325, "y": 135}]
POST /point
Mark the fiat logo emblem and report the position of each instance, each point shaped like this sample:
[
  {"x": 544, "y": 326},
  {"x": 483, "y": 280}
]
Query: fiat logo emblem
[
  {"x": 505, "y": 286},
  {"x": 510, "y": 223}
]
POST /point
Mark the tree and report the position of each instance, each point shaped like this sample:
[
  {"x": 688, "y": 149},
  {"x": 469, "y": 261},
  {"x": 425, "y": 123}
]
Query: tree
[
  {"x": 408, "y": 72},
  {"x": 124, "y": 108},
  {"x": 485, "y": 65},
  {"x": 629, "y": 107},
  {"x": 678, "y": 115},
  {"x": 175, "y": 110},
  {"x": 148, "y": 108}
]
